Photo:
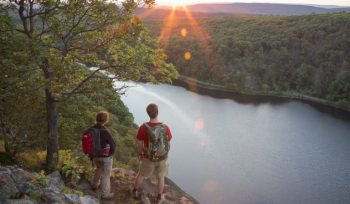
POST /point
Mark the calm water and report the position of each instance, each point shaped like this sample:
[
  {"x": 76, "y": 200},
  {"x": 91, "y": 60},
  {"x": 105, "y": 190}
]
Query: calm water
[{"x": 229, "y": 152}]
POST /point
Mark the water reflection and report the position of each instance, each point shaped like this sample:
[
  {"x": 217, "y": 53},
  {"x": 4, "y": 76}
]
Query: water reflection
[
  {"x": 258, "y": 100},
  {"x": 255, "y": 152}
]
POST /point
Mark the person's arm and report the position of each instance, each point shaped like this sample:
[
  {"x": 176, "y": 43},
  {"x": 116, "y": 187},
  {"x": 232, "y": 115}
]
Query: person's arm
[
  {"x": 140, "y": 148},
  {"x": 170, "y": 136},
  {"x": 111, "y": 143},
  {"x": 140, "y": 141}
]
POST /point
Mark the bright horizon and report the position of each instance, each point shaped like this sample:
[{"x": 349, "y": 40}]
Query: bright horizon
[{"x": 301, "y": 2}]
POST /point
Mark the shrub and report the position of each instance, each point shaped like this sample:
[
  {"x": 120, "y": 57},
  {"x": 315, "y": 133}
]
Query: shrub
[
  {"x": 31, "y": 160},
  {"x": 67, "y": 190},
  {"x": 74, "y": 165},
  {"x": 40, "y": 180}
]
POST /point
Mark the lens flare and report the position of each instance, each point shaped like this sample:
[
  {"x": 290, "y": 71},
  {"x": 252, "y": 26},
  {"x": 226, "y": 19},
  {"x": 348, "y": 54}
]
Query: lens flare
[
  {"x": 199, "y": 124},
  {"x": 210, "y": 186},
  {"x": 187, "y": 55},
  {"x": 184, "y": 32}
]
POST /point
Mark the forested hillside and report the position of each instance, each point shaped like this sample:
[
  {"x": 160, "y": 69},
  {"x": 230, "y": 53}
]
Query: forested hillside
[
  {"x": 262, "y": 54},
  {"x": 49, "y": 94},
  {"x": 262, "y": 8},
  {"x": 24, "y": 125}
]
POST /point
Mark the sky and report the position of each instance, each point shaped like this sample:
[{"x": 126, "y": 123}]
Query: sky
[{"x": 320, "y": 2}]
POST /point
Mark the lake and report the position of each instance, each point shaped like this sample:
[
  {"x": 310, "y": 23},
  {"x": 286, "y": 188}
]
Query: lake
[{"x": 228, "y": 151}]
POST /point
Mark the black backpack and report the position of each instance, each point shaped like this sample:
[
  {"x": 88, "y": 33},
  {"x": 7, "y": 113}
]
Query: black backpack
[{"x": 91, "y": 142}]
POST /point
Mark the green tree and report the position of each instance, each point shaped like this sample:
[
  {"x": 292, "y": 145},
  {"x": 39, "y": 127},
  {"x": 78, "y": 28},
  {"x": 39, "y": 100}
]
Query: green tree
[
  {"x": 56, "y": 39},
  {"x": 303, "y": 76}
]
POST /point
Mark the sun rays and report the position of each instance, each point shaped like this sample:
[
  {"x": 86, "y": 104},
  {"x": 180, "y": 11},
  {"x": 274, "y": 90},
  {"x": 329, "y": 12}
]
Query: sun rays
[
  {"x": 163, "y": 39},
  {"x": 180, "y": 22},
  {"x": 180, "y": 15},
  {"x": 177, "y": 3}
]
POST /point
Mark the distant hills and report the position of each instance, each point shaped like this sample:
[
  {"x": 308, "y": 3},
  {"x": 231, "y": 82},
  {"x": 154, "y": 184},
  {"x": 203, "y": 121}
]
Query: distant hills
[{"x": 263, "y": 8}]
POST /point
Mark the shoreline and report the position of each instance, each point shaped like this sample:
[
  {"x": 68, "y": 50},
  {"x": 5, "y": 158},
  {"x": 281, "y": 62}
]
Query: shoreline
[{"x": 220, "y": 91}]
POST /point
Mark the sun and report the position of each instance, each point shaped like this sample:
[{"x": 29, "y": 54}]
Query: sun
[{"x": 178, "y": 2}]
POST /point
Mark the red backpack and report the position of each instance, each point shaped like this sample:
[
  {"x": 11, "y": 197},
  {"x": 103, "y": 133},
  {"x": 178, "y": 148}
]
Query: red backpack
[{"x": 91, "y": 142}]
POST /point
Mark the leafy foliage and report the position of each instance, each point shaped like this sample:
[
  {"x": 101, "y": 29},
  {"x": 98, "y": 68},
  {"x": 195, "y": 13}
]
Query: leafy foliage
[
  {"x": 44, "y": 49},
  {"x": 75, "y": 165},
  {"x": 67, "y": 190},
  {"x": 31, "y": 159},
  {"x": 269, "y": 54},
  {"x": 40, "y": 180}
]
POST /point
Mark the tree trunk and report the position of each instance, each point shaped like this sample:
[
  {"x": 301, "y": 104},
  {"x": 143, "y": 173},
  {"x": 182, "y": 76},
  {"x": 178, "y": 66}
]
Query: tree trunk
[
  {"x": 3, "y": 132},
  {"x": 6, "y": 144},
  {"x": 52, "y": 120},
  {"x": 52, "y": 143}
]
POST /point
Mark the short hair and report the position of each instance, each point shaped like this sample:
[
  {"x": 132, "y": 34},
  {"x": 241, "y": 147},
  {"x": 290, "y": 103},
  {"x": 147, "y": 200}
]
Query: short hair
[
  {"x": 102, "y": 117},
  {"x": 152, "y": 110}
]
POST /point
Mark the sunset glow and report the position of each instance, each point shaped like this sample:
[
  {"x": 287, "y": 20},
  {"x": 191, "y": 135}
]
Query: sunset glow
[
  {"x": 319, "y": 2},
  {"x": 163, "y": 38},
  {"x": 178, "y": 2}
]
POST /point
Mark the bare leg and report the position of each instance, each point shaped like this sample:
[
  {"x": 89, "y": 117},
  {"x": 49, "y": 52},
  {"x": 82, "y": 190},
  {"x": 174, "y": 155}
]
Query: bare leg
[
  {"x": 138, "y": 181},
  {"x": 160, "y": 186}
]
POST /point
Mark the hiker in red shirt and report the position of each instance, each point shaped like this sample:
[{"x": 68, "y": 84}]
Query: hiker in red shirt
[{"x": 153, "y": 139}]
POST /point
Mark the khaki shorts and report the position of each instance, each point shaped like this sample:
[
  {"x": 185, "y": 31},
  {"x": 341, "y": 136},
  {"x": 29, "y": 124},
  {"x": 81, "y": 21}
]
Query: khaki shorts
[{"x": 149, "y": 168}]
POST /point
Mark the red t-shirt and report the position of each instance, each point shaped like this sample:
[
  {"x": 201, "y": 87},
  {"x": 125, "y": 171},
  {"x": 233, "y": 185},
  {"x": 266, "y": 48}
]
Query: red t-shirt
[{"x": 142, "y": 134}]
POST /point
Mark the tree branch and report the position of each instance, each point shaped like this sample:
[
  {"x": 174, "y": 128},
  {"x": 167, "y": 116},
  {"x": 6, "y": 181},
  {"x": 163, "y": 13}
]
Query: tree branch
[
  {"x": 70, "y": 94},
  {"x": 75, "y": 90},
  {"x": 31, "y": 20},
  {"x": 45, "y": 12},
  {"x": 80, "y": 19},
  {"x": 23, "y": 19}
]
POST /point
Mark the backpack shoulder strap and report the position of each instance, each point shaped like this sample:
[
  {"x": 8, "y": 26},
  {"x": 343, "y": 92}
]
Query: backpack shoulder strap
[
  {"x": 147, "y": 126},
  {"x": 96, "y": 140}
]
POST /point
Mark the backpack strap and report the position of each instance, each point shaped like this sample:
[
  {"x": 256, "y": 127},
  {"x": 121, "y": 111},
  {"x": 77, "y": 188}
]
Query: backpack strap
[
  {"x": 147, "y": 126},
  {"x": 96, "y": 141}
]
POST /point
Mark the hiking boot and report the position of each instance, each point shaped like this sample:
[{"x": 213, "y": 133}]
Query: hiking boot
[
  {"x": 94, "y": 188},
  {"x": 108, "y": 196},
  {"x": 160, "y": 199},
  {"x": 156, "y": 199},
  {"x": 136, "y": 194}
]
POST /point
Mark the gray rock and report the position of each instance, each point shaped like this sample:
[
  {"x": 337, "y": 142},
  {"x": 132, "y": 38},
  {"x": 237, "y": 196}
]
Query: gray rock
[
  {"x": 27, "y": 188},
  {"x": 73, "y": 198},
  {"x": 19, "y": 201},
  {"x": 88, "y": 200},
  {"x": 4, "y": 170},
  {"x": 52, "y": 197},
  {"x": 7, "y": 184},
  {"x": 20, "y": 176},
  {"x": 56, "y": 183}
]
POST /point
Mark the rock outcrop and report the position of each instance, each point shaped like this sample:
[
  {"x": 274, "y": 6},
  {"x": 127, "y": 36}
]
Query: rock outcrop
[{"x": 18, "y": 186}]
